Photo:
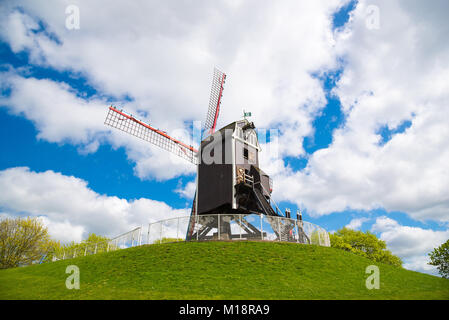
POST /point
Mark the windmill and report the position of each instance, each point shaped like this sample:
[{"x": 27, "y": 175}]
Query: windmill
[{"x": 229, "y": 181}]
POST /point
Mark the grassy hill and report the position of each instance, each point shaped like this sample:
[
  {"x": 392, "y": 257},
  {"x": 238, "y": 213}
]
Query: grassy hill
[{"x": 220, "y": 270}]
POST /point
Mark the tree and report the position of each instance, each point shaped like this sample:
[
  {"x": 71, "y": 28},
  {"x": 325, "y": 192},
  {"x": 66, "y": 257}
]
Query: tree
[
  {"x": 364, "y": 244},
  {"x": 23, "y": 241},
  {"x": 54, "y": 249},
  {"x": 93, "y": 244},
  {"x": 439, "y": 257}
]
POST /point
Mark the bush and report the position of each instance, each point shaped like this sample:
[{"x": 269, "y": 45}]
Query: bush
[
  {"x": 93, "y": 244},
  {"x": 23, "y": 242},
  {"x": 439, "y": 257},
  {"x": 364, "y": 244}
]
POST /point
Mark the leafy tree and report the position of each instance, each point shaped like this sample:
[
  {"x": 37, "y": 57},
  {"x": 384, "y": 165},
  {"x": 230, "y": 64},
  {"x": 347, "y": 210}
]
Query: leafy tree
[
  {"x": 93, "y": 244},
  {"x": 23, "y": 241},
  {"x": 51, "y": 252},
  {"x": 364, "y": 244},
  {"x": 439, "y": 257}
]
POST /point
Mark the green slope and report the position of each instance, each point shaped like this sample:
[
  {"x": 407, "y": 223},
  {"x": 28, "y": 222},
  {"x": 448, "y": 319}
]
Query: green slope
[{"x": 220, "y": 270}]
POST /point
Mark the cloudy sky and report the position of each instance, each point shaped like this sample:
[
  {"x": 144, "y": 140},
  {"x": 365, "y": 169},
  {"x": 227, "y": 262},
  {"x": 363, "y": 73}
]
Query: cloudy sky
[{"x": 357, "y": 90}]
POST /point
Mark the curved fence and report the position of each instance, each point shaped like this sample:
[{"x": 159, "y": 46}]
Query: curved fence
[
  {"x": 223, "y": 227},
  {"x": 236, "y": 227},
  {"x": 126, "y": 240}
]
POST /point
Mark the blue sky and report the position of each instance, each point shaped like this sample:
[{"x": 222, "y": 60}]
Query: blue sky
[
  {"x": 108, "y": 171},
  {"x": 334, "y": 89}
]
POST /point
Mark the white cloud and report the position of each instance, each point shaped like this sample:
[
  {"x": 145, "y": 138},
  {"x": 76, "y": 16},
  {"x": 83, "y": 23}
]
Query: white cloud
[
  {"x": 394, "y": 74},
  {"x": 58, "y": 114},
  {"x": 412, "y": 244},
  {"x": 70, "y": 209},
  {"x": 356, "y": 223},
  {"x": 187, "y": 191},
  {"x": 420, "y": 264},
  {"x": 64, "y": 231},
  {"x": 269, "y": 51},
  {"x": 17, "y": 30}
]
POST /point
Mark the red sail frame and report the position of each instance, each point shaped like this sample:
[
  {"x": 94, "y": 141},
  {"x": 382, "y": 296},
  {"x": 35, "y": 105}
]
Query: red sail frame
[
  {"x": 127, "y": 123},
  {"x": 215, "y": 101}
]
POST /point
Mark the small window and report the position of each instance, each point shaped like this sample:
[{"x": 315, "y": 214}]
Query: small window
[{"x": 245, "y": 153}]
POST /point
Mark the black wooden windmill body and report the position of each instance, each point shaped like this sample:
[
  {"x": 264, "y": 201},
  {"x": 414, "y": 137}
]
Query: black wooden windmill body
[{"x": 229, "y": 181}]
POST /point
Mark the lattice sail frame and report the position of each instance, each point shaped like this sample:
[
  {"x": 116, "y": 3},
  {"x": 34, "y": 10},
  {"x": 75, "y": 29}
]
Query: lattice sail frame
[
  {"x": 215, "y": 100},
  {"x": 127, "y": 123}
]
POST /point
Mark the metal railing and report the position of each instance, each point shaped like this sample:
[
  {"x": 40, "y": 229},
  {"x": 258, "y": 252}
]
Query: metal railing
[
  {"x": 128, "y": 239},
  {"x": 237, "y": 227},
  {"x": 226, "y": 227}
]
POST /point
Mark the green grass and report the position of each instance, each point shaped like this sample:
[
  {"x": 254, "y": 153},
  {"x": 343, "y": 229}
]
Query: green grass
[{"x": 220, "y": 270}]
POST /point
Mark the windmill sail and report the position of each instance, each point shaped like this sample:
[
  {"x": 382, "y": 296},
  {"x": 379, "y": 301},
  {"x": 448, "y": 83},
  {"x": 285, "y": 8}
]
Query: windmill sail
[
  {"x": 127, "y": 123},
  {"x": 214, "y": 101}
]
